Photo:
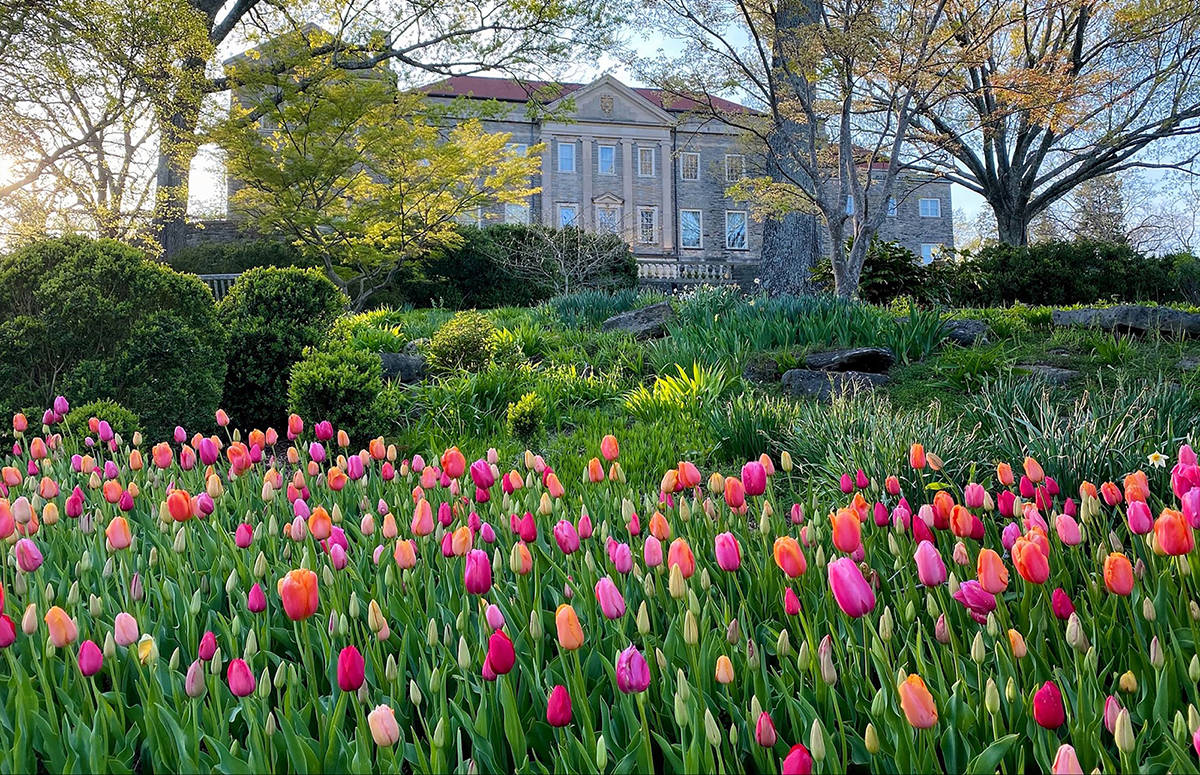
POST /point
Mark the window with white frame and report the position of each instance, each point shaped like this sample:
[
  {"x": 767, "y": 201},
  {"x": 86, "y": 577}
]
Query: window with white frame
[
  {"x": 566, "y": 157},
  {"x": 735, "y": 229},
  {"x": 608, "y": 220},
  {"x": 567, "y": 215},
  {"x": 518, "y": 149},
  {"x": 930, "y": 251},
  {"x": 891, "y": 207},
  {"x": 645, "y": 162},
  {"x": 607, "y": 160},
  {"x": 689, "y": 166},
  {"x": 648, "y": 225},
  {"x": 516, "y": 213},
  {"x": 735, "y": 166},
  {"x": 691, "y": 229},
  {"x": 849, "y": 204},
  {"x": 931, "y": 208}
]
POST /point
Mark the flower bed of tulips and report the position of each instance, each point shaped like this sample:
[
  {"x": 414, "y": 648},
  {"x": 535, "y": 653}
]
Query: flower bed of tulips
[{"x": 251, "y": 603}]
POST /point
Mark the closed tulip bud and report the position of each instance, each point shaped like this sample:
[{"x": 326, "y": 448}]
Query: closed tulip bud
[
  {"x": 1194, "y": 669},
  {"x": 194, "y": 684},
  {"x": 816, "y": 741},
  {"x": 712, "y": 732},
  {"x": 991, "y": 698},
  {"x": 733, "y": 634},
  {"x": 1148, "y": 612},
  {"x": 871, "y": 739},
  {"x": 251, "y": 646},
  {"x": 1123, "y": 732},
  {"x": 825, "y": 660},
  {"x": 886, "y": 625},
  {"x": 281, "y": 676},
  {"x": 783, "y": 646},
  {"x": 29, "y": 622},
  {"x": 643, "y": 620},
  {"x": 439, "y": 733},
  {"x": 977, "y": 650},
  {"x": 1075, "y": 635},
  {"x": 691, "y": 631},
  {"x": 1128, "y": 682},
  {"x": 535, "y": 625},
  {"x": 676, "y": 584},
  {"x": 1179, "y": 727},
  {"x": 803, "y": 657},
  {"x": 601, "y": 754},
  {"x": 1156, "y": 653},
  {"x": 414, "y": 693}
]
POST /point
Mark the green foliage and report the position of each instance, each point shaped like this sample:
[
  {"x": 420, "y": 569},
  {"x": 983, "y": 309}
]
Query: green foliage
[
  {"x": 889, "y": 272},
  {"x": 272, "y": 315},
  {"x": 588, "y": 309},
  {"x": 96, "y": 320},
  {"x": 230, "y": 257},
  {"x": 123, "y": 422},
  {"x": 340, "y": 386},
  {"x": 969, "y": 368},
  {"x": 466, "y": 343},
  {"x": 526, "y": 418},
  {"x": 1016, "y": 320},
  {"x": 687, "y": 393},
  {"x": 1187, "y": 276},
  {"x": 751, "y": 424},
  {"x": 1112, "y": 349},
  {"x": 377, "y": 331},
  {"x": 1058, "y": 273}
]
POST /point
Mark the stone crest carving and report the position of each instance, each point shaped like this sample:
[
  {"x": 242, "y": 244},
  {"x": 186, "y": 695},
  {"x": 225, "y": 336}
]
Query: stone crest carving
[{"x": 606, "y": 104}]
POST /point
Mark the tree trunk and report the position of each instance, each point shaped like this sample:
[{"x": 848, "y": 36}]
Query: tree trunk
[
  {"x": 846, "y": 276},
  {"x": 178, "y": 117},
  {"x": 789, "y": 252},
  {"x": 1012, "y": 222}
]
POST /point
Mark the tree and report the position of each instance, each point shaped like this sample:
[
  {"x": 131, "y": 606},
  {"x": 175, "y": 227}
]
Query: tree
[
  {"x": 442, "y": 37},
  {"x": 836, "y": 84},
  {"x": 78, "y": 80},
  {"x": 1069, "y": 91},
  {"x": 566, "y": 260},
  {"x": 362, "y": 178}
]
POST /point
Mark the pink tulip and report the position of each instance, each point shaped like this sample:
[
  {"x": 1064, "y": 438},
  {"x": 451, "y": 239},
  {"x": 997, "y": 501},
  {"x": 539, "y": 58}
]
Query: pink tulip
[
  {"x": 125, "y": 630},
  {"x": 1066, "y": 762},
  {"x": 477, "y": 575},
  {"x": 791, "y": 603},
  {"x": 930, "y": 568},
  {"x": 566, "y": 537},
  {"x": 851, "y": 591},
  {"x": 978, "y": 601},
  {"x": 729, "y": 554},
  {"x": 243, "y": 536},
  {"x": 1138, "y": 515},
  {"x": 1112, "y": 708},
  {"x": 495, "y": 617},
  {"x": 1068, "y": 530},
  {"x": 764, "y": 731},
  {"x": 241, "y": 680},
  {"x": 29, "y": 557},
  {"x": 633, "y": 674},
  {"x": 973, "y": 495},
  {"x": 612, "y": 604},
  {"x": 652, "y": 552},
  {"x": 860, "y": 480},
  {"x": 90, "y": 658},
  {"x": 754, "y": 478},
  {"x": 846, "y": 484}
]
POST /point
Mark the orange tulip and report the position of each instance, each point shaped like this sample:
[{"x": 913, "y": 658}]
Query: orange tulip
[
  {"x": 595, "y": 471},
  {"x": 689, "y": 475},
  {"x": 1088, "y": 490},
  {"x": 659, "y": 527},
  {"x": 461, "y": 541},
  {"x": 298, "y": 590},
  {"x": 337, "y": 479},
  {"x": 609, "y": 448},
  {"x": 1004, "y": 474},
  {"x": 960, "y": 521},
  {"x": 1016, "y": 642},
  {"x": 179, "y": 505},
  {"x": 343, "y": 438},
  {"x": 1034, "y": 471},
  {"x": 917, "y": 703},
  {"x": 135, "y": 460},
  {"x": 724, "y": 671},
  {"x": 1118, "y": 574},
  {"x": 916, "y": 456},
  {"x": 118, "y": 533},
  {"x": 847, "y": 531},
  {"x": 554, "y": 487},
  {"x": 788, "y": 556},
  {"x": 1030, "y": 561},
  {"x": 669, "y": 481},
  {"x": 320, "y": 524},
  {"x": 681, "y": 554},
  {"x": 422, "y": 523},
  {"x": 162, "y": 455},
  {"x": 860, "y": 507},
  {"x": 993, "y": 576},
  {"x": 406, "y": 553},
  {"x": 112, "y": 491},
  {"x": 1173, "y": 534},
  {"x": 1137, "y": 487},
  {"x": 570, "y": 634},
  {"x": 377, "y": 449},
  {"x": 524, "y": 560},
  {"x": 63, "y": 631},
  {"x": 257, "y": 439}
]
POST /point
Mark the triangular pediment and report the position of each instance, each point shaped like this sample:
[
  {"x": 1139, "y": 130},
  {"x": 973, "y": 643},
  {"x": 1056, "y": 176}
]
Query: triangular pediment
[
  {"x": 608, "y": 199},
  {"x": 607, "y": 99}
]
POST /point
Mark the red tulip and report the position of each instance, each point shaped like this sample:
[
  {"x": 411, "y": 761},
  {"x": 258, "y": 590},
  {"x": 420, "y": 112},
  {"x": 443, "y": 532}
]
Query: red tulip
[
  {"x": 1048, "y": 708},
  {"x": 500, "y": 655},
  {"x": 558, "y": 707},
  {"x": 351, "y": 669}
]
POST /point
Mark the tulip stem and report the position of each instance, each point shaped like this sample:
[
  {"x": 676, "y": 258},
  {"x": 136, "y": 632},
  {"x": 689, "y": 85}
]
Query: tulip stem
[{"x": 641, "y": 702}]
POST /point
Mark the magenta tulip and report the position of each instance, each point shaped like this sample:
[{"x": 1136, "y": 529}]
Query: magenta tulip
[
  {"x": 729, "y": 554},
  {"x": 931, "y": 570},
  {"x": 351, "y": 669},
  {"x": 558, "y": 707},
  {"x": 90, "y": 658},
  {"x": 851, "y": 591},
  {"x": 478, "y": 573},
  {"x": 633, "y": 674},
  {"x": 612, "y": 604}
]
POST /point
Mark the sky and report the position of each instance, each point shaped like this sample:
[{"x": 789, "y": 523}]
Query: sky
[{"x": 208, "y": 180}]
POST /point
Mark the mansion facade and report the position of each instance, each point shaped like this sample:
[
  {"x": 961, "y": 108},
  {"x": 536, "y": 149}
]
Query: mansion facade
[{"x": 630, "y": 163}]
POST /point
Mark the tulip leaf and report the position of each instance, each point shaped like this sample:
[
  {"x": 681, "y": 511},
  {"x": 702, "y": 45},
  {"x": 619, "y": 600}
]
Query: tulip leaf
[
  {"x": 989, "y": 759},
  {"x": 513, "y": 729}
]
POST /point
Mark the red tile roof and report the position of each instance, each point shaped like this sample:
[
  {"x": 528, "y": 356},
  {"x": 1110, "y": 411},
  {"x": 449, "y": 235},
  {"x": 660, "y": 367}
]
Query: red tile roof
[{"x": 508, "y": 90}]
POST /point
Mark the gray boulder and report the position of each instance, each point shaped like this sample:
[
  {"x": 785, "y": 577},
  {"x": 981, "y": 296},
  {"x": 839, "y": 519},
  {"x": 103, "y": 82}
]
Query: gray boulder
[
  {"x": 1052, "y": 374},
  {"x": 405, "y": 367},
  {"x": 1131, "y": 318},
  {"x": 824, "y": 384},
  {"x": 966, "y": 332},
  {"x": 645, "y": 323},
  {"x": 875, "y": 360}
]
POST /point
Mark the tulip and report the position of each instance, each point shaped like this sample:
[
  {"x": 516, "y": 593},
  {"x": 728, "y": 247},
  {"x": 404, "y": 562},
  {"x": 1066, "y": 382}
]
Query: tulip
[
  {"x": 208, "y": 646},
  {"x": 930, "y": 568},
  {"x": 125, "y": 630},
  {"x": 735, "y": 493},
  {"x": 1137, "y": 515},
  {"x": 724, "y": 671},
  {"x": 570, "y": 634},
  {"x": 799, "y": 761},
  {"x": 63, "y": 630},
  {"x": 256, "y": 600},
  {"x": 978, "y": 601},
  {"x": 477, "y": 573},
  {"x": 847, "y": 530},
  {"x": 1112, "y": 708},
  {"x": 992, "y": 574},
  {"x": 788, "y": 557},
  {"x": 90, "y": 659},
  {"x": 1173, "y": 534},
  {"x": 791, "y": 603},
  {"x": 845, "y": 484},
  {"x": 558, "y": 707},
  {"x": 652, "y": 553},
  {"x": 612, "y": 604},
  {"x": 384, "y": 729},
  {"x": 609, "y": 448},
  {"x": 916, "y": 457},
  {"x": 917, "y": 703},
  {"x": 728, "y": 553},
  {"x": 1061, "y": 605},
  {"x": 566, "y": 536},
  {"x": 764, "y": 731},
  {"x": 1066, "y": 762},
  {"x": 351, "y": 669},
  {"x": 501, "y": 656},
  {"x": 8, "y": 631},
  {"x": 298, "y": 590},
  {"x": 754, "y": 478},
  {"x": 681, "y": 554},
  {"x": 29, "y": 557},
  {"x": 1030, "y": 561},
  {"x": 1118, "y": 574},
  {"x": 1016, "y": 642},
  {"x": 633, "y": 674},
  {"x": 1048, "y": 709},
  {"x": 193, "y": 683},
  {"x": 241, "y": 679},
  {"x": 851, "y": 591}
]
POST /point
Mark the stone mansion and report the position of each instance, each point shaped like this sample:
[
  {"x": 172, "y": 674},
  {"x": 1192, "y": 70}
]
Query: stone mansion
[{"x": 631, "y": 163}]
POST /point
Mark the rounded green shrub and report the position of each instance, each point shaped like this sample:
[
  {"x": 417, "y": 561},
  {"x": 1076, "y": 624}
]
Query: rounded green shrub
[
  {"x": 340, "y": 386},
  {"x": 123, "y": 422},
  {"x": 272, "y": 315},
  {"x": 466, "y": 342},
  {"x": 95, "y": 319},
  {"x": 526, "y": 417},
  {"x": 230, "y": 257}
]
